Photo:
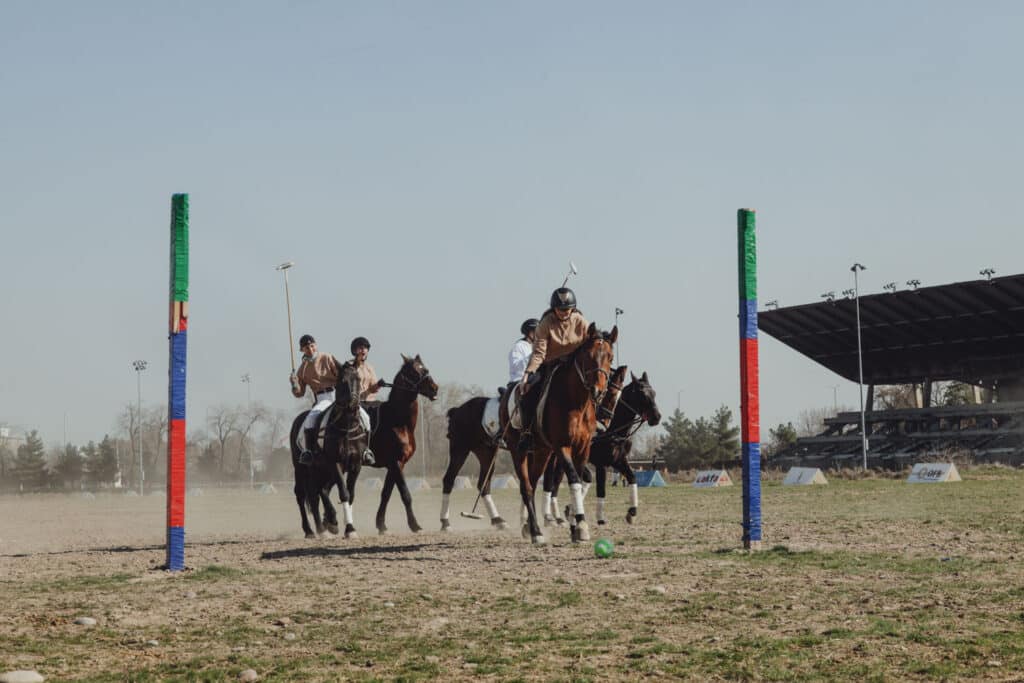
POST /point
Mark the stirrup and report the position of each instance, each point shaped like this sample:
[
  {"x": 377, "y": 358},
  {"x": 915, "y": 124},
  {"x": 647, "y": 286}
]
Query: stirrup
[{"x": 368, "y": 458}]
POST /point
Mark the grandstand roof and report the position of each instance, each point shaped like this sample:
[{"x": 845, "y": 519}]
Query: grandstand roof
[{"x": 967, "y": 331}]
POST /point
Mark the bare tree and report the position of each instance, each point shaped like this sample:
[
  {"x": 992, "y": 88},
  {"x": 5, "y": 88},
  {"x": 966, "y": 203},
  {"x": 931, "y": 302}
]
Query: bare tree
[
  {"x": 222, "y": 422},
  {"x": 247, "y": 419}
]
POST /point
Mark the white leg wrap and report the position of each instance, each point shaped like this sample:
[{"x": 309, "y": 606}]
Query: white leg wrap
[
  {"x": 577, "y": 498},
  {"x": 586, "y": 487},
  {"x": 348, "y": 513},
  {"x": 634, "y": 496},
  {"x": 524, "y": 514},
  {"x": 547, "y": 502},
  {"x": 556, "y": 510},
  {"x": 600, "y": 509},
  {"x": 446, "y": 503},
  {"x": 492, "y": 509}
]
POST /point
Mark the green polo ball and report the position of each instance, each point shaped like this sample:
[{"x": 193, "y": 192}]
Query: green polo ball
[{"x": 604, "y": 548}]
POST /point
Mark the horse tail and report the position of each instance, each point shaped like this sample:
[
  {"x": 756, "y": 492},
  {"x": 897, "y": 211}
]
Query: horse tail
[{"x": 448, "y": 422}]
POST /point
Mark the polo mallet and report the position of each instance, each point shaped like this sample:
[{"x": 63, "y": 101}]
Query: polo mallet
[
  {"x": 572, "y": 271},
  {"x": 287, "y": 297},
  {"x": 474, "y": 514}
]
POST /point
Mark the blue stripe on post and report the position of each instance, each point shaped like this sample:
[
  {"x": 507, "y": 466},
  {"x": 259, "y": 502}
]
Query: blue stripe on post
[
  {"x": 748, "y": 319},
  {"x": 175, "y": 548},
  {"x": 751, "y": 492},
  {"x": 176, "y": 371}
]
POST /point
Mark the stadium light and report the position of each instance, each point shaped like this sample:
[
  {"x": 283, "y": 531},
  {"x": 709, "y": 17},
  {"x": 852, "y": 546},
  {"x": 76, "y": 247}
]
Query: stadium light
[
  {"x": 829, "y": 297},
  {"x": 772, "y": 305},
  {"x": 988, "y": 273},
  {"x": 849, "y": 293},
  {"x": 890, "y": 287},
  {"x": 913, "y": 284},
  {"x": 856, "y": 268}
]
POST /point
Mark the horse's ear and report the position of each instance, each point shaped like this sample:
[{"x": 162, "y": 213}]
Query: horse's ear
[
  {"x": 418, "y": 358},
  {"x": 632, "y": 377},
  {"x": 644, "y": 376},
  {"x": 405, "y": 358},
  {"x": 614, "y": 335},
  {"x": 592, "y": 330}
]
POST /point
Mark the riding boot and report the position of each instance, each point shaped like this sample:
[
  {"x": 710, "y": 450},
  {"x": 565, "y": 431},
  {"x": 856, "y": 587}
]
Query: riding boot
[{"x": 306, "y": 456}]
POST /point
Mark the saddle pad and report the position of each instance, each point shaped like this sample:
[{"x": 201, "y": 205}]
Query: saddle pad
[
  {"x": 491, "y": 422},
  {"x": 544, "y": 399},
  {"x": 510, "y": 404},
  {"x": 322, "y": 420}
]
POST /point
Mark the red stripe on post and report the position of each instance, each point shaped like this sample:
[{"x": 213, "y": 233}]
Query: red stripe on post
[
  {"x": 176, "y": 474},
  {"x": 749, "y": 392}
]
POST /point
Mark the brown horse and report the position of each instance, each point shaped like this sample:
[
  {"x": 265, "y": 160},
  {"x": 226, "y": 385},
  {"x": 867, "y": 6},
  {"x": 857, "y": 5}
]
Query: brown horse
[
  {"x": 344, "y": 442},
  {"x": 611, "y": 448},
  {"x": 466, "y": 435},
  {"x": 394, "y": 435},
  {"x": 564, "y": 426}
]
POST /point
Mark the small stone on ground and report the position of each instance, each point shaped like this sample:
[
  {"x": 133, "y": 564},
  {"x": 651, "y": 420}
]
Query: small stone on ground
[
  {"x": 248, "y": 676},
  {"x": 85, "y": 621},
  {"x": 21, "y": 676}
]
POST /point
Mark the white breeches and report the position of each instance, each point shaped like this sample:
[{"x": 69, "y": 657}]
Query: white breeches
[
  {"x": 364, "y": 419},
  {"x": 323, "y": 401}
]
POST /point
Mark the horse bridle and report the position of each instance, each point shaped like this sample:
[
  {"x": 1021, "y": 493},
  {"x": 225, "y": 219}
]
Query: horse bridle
[
  {"x": 596, "y": 395},
  {"x": 410, "y": 385},
  {"x": 631, "y": 427}
]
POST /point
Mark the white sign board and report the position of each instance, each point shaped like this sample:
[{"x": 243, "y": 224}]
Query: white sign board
[
  {"x": 712, "y": 478},
  {"x": 933, "y": 473},
  {"x": 804, "y": 476}
]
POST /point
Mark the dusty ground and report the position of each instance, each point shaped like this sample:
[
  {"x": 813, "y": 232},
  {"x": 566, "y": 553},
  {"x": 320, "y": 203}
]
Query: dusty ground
[{"x": 860, "y": 580}]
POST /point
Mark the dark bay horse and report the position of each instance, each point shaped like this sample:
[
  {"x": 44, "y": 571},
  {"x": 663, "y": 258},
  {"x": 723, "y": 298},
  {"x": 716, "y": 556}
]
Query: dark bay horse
[
  {"x": 611, "y": 448},
  {"x": 564, "y": 425},
  {"x": 466, "y": 435},
  {"x": 393, "y": 441},
  {"x": 344, "y": 442}
]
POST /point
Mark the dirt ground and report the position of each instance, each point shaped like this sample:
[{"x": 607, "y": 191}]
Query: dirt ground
[{"x": 858, "y": 580}]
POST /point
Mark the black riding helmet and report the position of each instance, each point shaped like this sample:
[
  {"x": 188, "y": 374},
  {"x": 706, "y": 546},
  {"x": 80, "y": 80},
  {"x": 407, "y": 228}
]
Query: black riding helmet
[
  {"x": 306, "y": 339},
  {"x": 528, "y": 324},
  {"x": 359, "y": 342},
  {"x": 563, "y": 299}
]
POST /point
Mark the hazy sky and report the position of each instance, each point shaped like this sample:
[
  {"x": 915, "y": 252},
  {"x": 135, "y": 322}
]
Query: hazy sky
[{"x": 432, "y": 167}]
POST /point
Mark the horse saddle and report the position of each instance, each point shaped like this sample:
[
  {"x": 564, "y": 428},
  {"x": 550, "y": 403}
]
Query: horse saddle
[{"x": 491, "y": 419}]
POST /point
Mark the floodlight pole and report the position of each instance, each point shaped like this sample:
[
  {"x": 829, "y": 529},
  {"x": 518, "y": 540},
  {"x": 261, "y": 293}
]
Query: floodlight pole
[
  {"x": 139, "y": 366},
  {"x": 856, "y": 268},
  {"x": 618, "y": 312}
]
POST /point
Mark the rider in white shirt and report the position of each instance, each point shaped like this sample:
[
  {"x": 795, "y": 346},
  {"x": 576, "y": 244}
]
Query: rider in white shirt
[{"x": 521, "y": 351}]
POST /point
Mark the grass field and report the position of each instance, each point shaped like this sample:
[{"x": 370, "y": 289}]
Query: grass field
[{"x": 859, "y": 580}]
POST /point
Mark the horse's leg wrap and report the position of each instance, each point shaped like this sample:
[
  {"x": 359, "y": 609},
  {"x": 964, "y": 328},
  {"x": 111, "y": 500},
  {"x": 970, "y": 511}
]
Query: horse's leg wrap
[
  {"x": 492, "y": 509},
  {"x": 577, "y": 499},
  {"x": 548, "y": 517},
  {"x": 446, "y": 504},
  {"x": 586, "y": 487},
  {"x": 634, "y": 496},
  {"x": 600, "y": 511}
]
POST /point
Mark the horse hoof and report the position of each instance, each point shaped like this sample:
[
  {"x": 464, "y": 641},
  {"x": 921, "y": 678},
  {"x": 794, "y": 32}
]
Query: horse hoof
[
  {"x": 560, "y": 522},
  {"x": 574, "y": 535},
  {"x": 446, "y": 525},
  {"x": 526, "y": 531},
  {"x": 310, "y": 534},
  {"x": 583, "y": 531},
  {"x": 320, "y": 531},
  {"x": 499, "y": 524},
  {"x": 415, "y": 529},
  {"x": 630, "y": 515},
  {"x": 548, "y": 520},
  {"x": 382, "y": 531},
  {"x": 351, "y": 535},
  {"x": 601, "y": 522},
  {"x": 333, "y": 528},
  {"x": 539, "y": 540}
]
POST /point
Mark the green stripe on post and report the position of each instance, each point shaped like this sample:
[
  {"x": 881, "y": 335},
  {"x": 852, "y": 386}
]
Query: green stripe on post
[
  {"x": 179, "y": 230},
  {"x": 748, "y": 253}
]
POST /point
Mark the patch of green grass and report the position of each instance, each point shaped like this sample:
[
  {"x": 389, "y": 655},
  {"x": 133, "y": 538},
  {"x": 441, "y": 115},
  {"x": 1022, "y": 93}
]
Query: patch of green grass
[
  {"x": 569, "y": 599},
  {"x": 72, "y": 584},
  {"x": 212, "y": 572}
]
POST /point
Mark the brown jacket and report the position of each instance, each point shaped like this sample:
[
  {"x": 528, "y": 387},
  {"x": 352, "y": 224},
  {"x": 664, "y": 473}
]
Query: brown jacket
[
  {"x": 367, "y": 380},
  {"x": 319, "y": 374},
  {"x": 556, "y": 338}
]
